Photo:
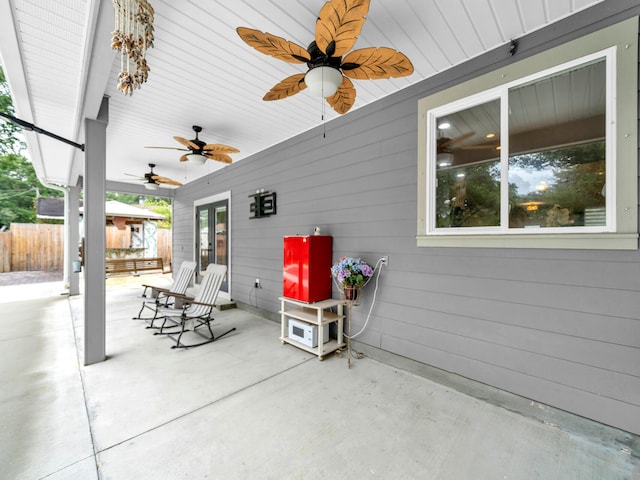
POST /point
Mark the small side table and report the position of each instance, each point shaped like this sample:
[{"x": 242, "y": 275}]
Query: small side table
[{"x": 318, "y": 314}]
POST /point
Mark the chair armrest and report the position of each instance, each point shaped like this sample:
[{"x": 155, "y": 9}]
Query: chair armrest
[
  {"x": 154, "y": 290},
  {"x": 190, "y": 301},
  {"x": 181, "y": 301},
  {"x": 181, "y": 296},
  {"x": 202, "y": 303}
]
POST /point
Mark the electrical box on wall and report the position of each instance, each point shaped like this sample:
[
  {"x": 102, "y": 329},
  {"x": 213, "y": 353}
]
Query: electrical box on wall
[{"x": 307, "y": 267}]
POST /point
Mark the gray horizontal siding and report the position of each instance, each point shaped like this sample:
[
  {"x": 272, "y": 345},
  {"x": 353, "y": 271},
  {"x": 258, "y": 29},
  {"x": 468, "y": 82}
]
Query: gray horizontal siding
[
  {"x": 600, "y": 407},
  {"x": 558, "y": 326}
]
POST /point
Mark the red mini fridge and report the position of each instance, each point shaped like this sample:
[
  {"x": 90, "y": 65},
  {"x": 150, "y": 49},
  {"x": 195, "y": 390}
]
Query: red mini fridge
[{"x": 307, "y": 267}]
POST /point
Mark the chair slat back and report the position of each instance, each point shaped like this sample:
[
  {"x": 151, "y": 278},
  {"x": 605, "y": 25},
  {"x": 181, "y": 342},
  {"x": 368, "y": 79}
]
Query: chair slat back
[
  {"x": 208, "y": 291},
  {"x": 183, "y": 278}
]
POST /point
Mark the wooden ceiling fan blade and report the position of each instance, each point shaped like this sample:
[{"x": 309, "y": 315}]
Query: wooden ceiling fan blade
[
  {"x": 339, "y": 24},
  {"x": 135, "y": 176},
  {"x": 219, "y": 148},
  {"x": 220, "y": 157},
  {"x": 184, "y": 158},
  {"x": 170, "y": 148},
  {"x": 274, "y": 46},
  {"x": 485, "y": 146},
  {"x": 376, "y": 63},
  {"x": 452, "y": 142},
  {"x": 187, "y": 143},
  {"x": 287, "y": 87},
  {"x": 344, "y": 98},
  {"x": 168, "y": 181}
]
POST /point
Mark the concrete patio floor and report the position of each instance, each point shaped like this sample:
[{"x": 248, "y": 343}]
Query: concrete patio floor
[{"x": 247, "y": 407}]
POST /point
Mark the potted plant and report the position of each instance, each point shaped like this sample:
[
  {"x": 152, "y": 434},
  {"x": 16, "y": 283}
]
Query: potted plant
[{"x": 350, "y": 275}]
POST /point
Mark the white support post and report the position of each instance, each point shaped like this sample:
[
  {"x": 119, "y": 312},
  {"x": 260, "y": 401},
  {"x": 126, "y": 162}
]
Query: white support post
[
  {"x": 72, "y": 225},
  {"x": 94, "y": 231}
]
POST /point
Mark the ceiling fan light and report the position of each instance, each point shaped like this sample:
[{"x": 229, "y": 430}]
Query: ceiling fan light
[
  {"x": 445, "y": 159},
  {"x": 151, "y": 185},
  {"x": 323, "y": 81},
  {"x": 197, "y": 158}
]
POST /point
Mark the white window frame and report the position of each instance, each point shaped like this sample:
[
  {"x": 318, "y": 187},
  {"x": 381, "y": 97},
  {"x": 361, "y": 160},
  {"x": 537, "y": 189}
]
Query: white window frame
[
  {"x": 501, "y": 93},
  {"x": 618, "y": 46}
]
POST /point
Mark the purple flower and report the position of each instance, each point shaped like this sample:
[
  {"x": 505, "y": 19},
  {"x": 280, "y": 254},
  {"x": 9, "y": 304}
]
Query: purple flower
[
  {"x": 351, "y": 271},
  {"x": 366, "y": 270}
]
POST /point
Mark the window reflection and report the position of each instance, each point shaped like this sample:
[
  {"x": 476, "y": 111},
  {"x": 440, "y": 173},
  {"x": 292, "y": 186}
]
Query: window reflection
[
  {"x": 468, "y": 167},
  {"x": 558, "y": 188},
  {"x": 557, "y": 150},
  {"x": 469, "y": 196},
  {"x": 556, "y": 158}
]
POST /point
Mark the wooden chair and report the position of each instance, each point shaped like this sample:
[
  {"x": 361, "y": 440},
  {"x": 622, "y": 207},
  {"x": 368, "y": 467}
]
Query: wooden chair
[
  {"x": 164, "y": 297},
  {"x": 196, "y": 311}
]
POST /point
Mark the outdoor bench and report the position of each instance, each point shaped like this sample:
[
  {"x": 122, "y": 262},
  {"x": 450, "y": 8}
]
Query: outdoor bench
[{"x": 133, "y": 265}]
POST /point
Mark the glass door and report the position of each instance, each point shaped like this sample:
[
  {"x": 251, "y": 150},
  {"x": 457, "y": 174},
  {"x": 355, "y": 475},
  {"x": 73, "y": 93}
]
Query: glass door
[{"x": 212, "y": 244}]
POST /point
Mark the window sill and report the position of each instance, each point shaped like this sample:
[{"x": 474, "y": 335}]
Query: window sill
[{"x": 585, "y": 241}]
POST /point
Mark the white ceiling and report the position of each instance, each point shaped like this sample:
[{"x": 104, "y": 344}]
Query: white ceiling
[{"x": 58, "y": 60}]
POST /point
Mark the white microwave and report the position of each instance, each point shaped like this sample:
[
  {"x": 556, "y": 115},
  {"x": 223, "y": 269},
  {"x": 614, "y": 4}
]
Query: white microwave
[{"x": 306, "y": 334}]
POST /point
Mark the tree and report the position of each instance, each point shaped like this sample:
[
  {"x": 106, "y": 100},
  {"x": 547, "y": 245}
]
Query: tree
[
  {"x": 19, "y": 185},
  {"x": 161, "y": 206},
  {"x": 10, "y": 141},
  {"x": 469, "y": 196},
  {"x": 19, "y": 188},
  {"x": 128, "y": 198},
  {"x": 578, "y": 174}
]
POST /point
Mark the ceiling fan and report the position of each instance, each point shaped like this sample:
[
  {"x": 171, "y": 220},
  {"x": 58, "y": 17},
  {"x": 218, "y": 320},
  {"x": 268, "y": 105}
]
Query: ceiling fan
[
  {"x": 448, "y": 145},
  {"x": 152, "y": 180},
  {"x": 201, "y": 151},
  {"x": 330, "y": 65}
]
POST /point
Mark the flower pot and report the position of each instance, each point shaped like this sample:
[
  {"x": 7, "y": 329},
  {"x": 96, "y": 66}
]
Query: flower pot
[{"x": 352, "y": 294}]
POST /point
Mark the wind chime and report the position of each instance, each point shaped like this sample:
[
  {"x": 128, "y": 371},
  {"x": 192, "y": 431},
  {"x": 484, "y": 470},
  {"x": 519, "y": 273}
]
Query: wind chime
[{"x": 132, "y": 36}]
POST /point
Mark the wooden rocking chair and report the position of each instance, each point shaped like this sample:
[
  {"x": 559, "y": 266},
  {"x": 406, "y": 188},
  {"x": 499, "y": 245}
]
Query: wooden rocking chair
[
  {"x": 164, "y": 297},
  {"x": 196, "y": 311}
]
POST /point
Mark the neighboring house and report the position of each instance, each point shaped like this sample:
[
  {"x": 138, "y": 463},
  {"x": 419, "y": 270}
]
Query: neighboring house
[
  {"x": 140, "y": 222},
  {"x": 116, "y": 213},
  {"x": 505, "y": 284},
  {"x": 50, "y": 208}
]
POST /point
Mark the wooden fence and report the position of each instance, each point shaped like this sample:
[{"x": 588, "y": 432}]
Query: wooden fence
[
  {"x": 36, "y": 246},
  {"x": 5, "y": 251},
  {"x": 31, "y": 246}
]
